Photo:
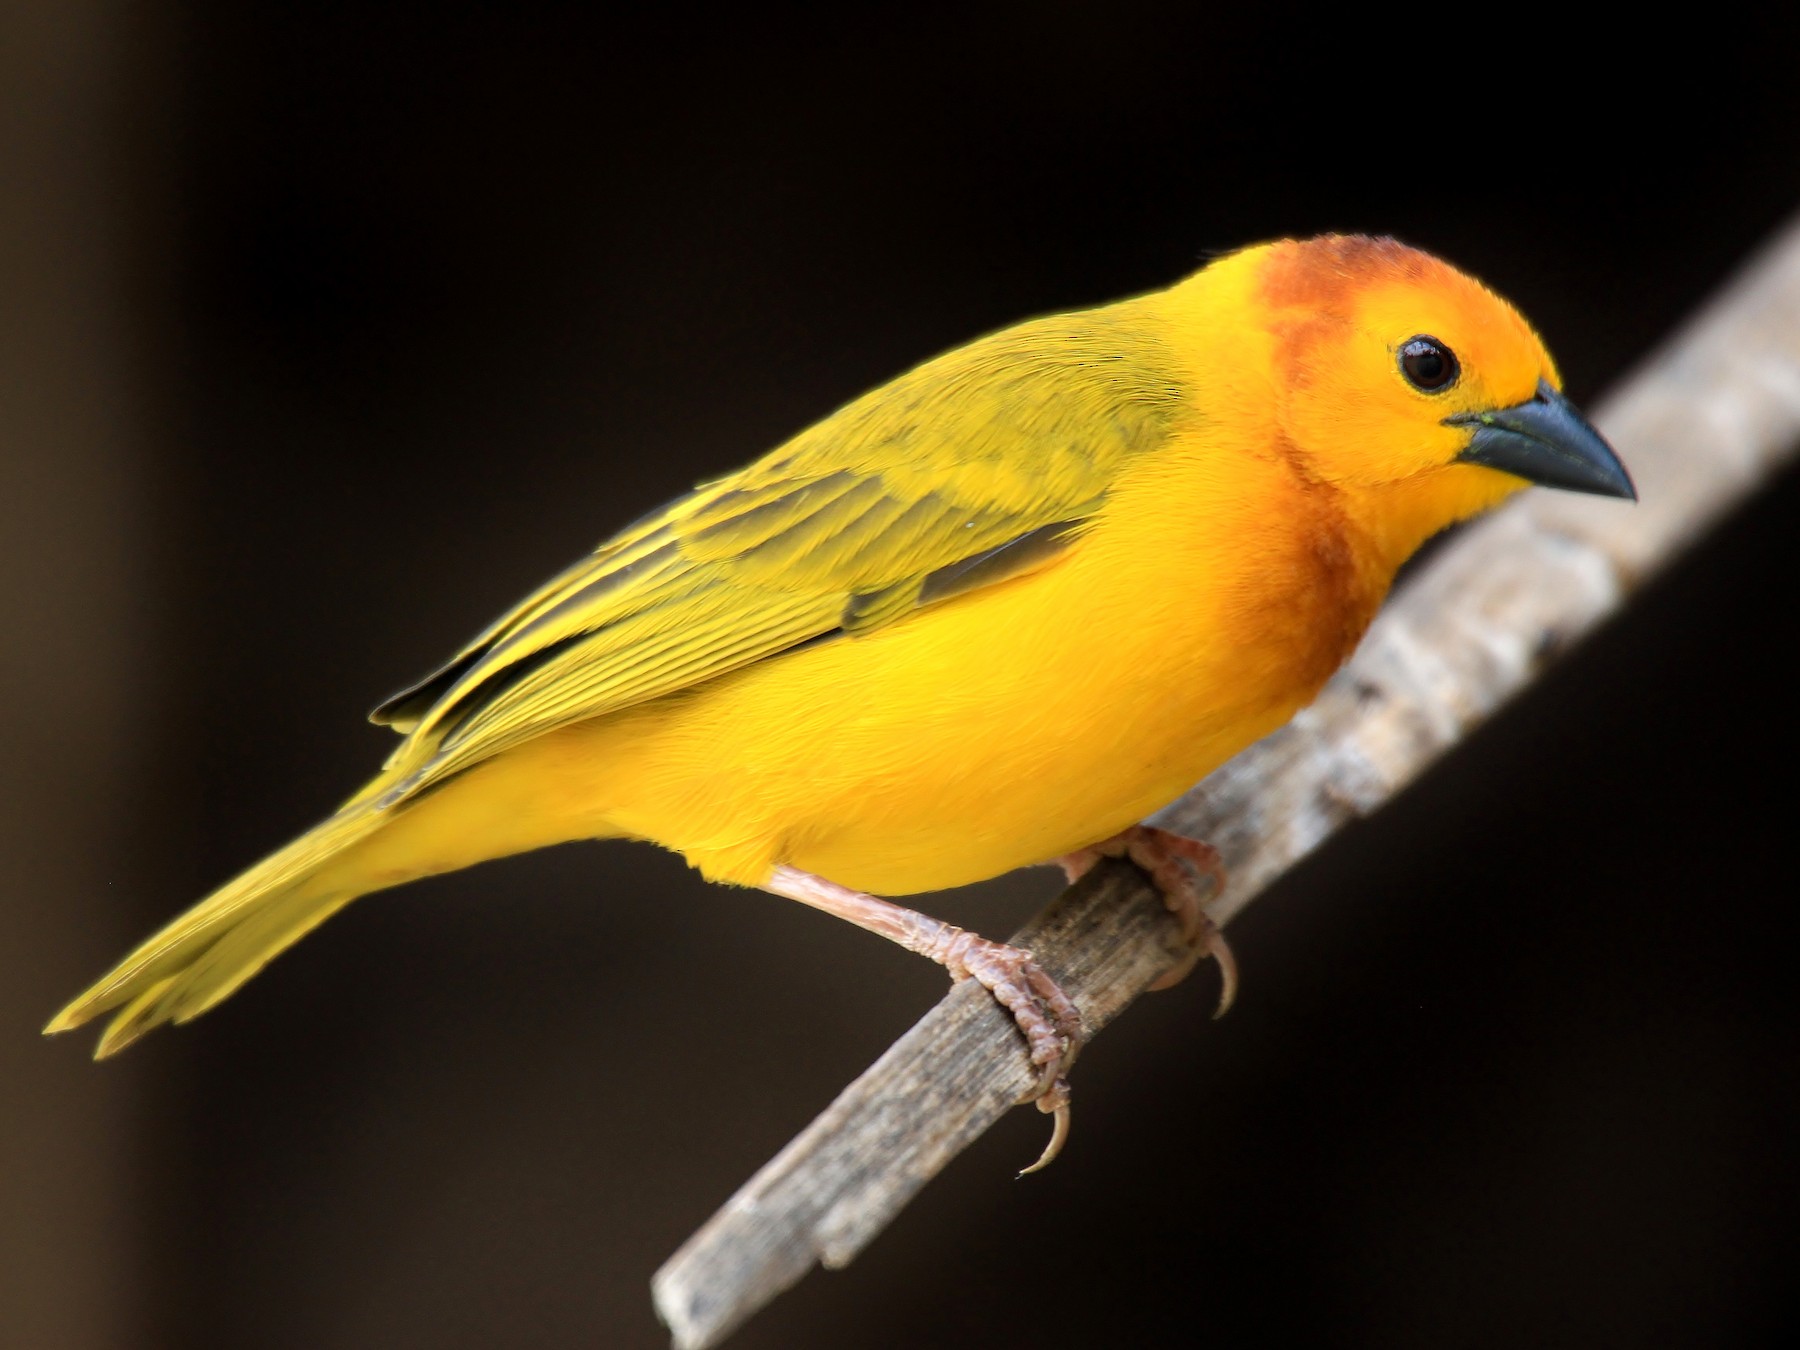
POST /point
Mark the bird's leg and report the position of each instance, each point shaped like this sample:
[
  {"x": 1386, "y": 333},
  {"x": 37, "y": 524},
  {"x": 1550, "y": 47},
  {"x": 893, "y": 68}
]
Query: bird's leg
[
  {"x": 1046, "y": 1016},
  {"x": 1161, "y": 854}
]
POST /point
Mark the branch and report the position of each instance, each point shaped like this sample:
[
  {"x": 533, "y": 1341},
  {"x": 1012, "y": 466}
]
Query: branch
[{"x": 1701, "y": 424}]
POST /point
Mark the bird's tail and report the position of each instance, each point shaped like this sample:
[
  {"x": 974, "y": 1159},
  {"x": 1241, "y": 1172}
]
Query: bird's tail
[{"x": 203, "y": 956}]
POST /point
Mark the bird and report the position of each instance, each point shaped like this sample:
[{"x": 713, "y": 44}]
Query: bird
[{"x": 993, "y": 613}]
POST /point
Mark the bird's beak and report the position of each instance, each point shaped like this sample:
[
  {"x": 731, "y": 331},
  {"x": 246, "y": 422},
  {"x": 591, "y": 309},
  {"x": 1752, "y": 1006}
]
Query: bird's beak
[{"x": 1546, "y": 441}]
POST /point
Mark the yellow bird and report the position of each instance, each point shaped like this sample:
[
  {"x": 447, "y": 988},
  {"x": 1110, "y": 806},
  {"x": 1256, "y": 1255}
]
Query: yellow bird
[{"x": 990, "y": 614}]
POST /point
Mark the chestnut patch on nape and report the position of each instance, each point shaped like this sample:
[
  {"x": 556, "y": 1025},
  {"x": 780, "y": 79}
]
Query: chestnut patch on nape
[{"x": 1321, "y": 274}]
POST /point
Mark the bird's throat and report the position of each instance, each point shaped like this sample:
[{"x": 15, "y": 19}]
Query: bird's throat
[{"x": 1392, "y": 520}]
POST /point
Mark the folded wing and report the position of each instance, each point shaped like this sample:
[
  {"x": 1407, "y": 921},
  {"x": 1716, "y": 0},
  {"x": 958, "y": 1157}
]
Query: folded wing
[{"x": 974, "y": 468}]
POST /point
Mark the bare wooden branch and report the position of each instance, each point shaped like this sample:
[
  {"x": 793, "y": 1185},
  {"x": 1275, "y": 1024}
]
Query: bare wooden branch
[{"x": 1705, "y": 420}]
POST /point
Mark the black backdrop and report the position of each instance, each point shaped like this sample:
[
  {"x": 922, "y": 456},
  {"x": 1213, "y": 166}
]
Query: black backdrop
[{"x": 432, "y": 297}]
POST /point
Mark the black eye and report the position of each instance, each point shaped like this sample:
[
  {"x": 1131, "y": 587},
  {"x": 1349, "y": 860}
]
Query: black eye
[{"x": 1428, "y": 364}]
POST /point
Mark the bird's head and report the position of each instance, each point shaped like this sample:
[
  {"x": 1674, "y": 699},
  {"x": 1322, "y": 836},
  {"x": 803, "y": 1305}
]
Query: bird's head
[{"x": 1403, "y": 380}]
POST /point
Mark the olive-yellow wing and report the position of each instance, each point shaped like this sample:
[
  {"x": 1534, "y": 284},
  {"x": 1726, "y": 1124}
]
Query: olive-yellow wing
[{"x": 970, "y": 469}]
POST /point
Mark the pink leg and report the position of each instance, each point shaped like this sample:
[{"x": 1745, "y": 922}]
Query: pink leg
[
  {"x": 1161, "y": 853},
  {"x": 1047, "y": 1018}
]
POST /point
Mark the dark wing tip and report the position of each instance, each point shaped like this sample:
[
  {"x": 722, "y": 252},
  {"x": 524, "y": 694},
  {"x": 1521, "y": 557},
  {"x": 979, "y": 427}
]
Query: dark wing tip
[{"x": 403, "y": 711}]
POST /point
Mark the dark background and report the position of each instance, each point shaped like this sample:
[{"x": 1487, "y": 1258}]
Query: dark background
[{"x": 333, "y": 328}]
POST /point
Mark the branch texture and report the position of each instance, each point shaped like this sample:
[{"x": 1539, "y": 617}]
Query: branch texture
[{"x": 1701, "y": 424}]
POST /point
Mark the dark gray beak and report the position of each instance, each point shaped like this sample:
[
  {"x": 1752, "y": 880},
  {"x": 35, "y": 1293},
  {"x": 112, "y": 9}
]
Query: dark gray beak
[{"x": 1545, "y": 441}]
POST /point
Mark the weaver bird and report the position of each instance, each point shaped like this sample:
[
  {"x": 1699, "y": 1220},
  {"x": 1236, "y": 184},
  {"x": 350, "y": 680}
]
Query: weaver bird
[{"x": 992, "y": 613}]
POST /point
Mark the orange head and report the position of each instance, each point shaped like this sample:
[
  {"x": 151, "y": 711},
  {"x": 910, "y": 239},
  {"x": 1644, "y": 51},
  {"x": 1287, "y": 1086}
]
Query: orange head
[{"x": 1396, "y": 377}]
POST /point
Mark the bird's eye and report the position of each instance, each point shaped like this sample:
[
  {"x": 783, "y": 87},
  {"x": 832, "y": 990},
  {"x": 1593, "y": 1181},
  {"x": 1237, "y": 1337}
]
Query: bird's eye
[{"x": 1428, "y": 364}]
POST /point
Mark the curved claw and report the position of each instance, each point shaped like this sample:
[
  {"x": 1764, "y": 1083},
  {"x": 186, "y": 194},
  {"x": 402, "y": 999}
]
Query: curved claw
[
  {"x": 1220, "y": 951},
  {"x": 1212, "y": 944},
  {"x": 1059, "y": 1130}
]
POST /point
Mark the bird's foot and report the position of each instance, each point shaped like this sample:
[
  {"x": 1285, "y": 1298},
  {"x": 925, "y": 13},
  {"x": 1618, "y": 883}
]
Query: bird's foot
[
  {"x": 1046, "y": 1017},
  {"x": 1166, "y": 858}
]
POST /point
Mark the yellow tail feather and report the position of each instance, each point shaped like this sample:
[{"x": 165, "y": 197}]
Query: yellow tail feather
[{"x": 204, "y": 955}]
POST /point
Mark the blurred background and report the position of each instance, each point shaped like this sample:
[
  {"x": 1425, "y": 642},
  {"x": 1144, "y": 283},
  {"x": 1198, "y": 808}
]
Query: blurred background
[{"x": 328, "y": 330}]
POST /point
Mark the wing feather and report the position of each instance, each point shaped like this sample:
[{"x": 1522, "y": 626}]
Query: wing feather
[{"x": 968, "y": 470}]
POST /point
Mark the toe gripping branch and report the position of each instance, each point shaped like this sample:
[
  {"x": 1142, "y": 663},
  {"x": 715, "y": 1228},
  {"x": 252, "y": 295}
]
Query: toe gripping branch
[
  {"x": 1189, "y": 874},
  {"x": 1046, "y": 1016}
]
